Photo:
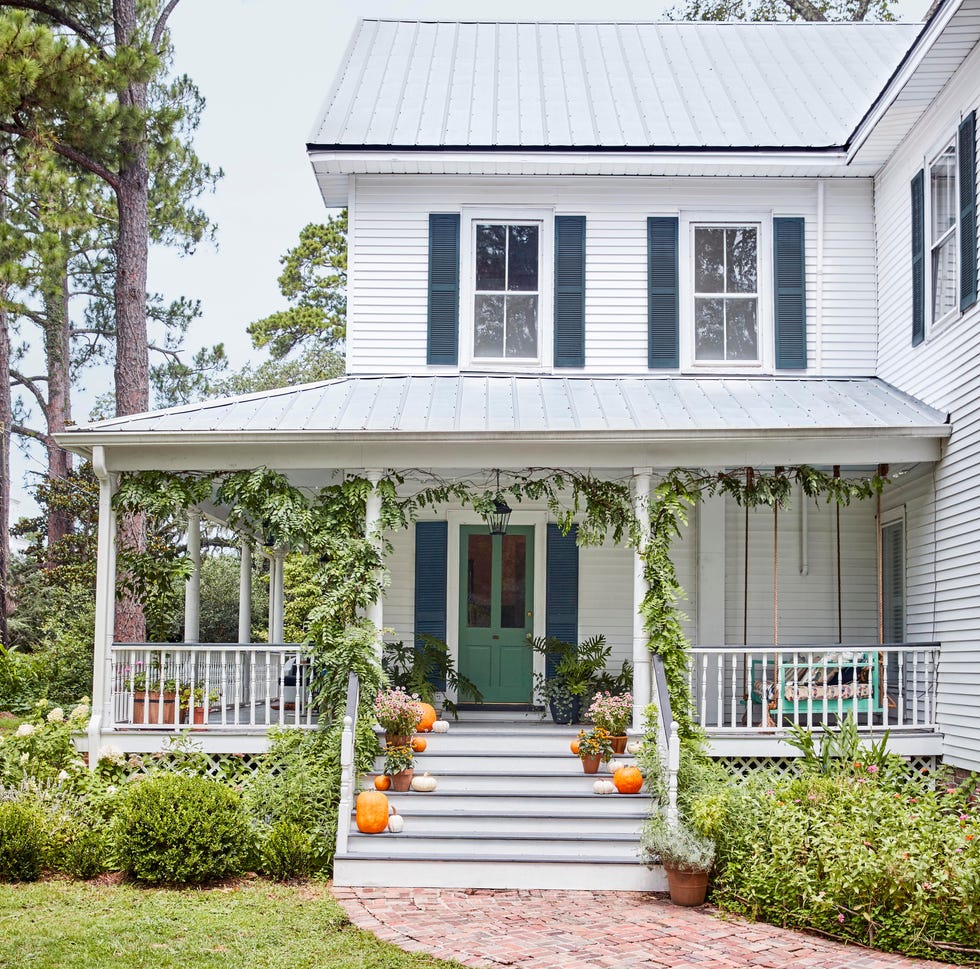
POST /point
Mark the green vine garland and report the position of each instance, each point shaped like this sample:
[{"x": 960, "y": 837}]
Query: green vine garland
[{"x": 348, "y": 566}]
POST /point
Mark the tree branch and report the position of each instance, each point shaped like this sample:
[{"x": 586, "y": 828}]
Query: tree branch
[
  {"x": 861, "y": 11},
  {"x": 806, "y": 10},
  {"x": 72, "y": 154},
  {"x": 165, "y": 351},
  {"x": 161, "y": 24},
  {"x": 18, "y": 379},
  {"x": 30, "y": 432},
  {"x": 59, "y": 17}
]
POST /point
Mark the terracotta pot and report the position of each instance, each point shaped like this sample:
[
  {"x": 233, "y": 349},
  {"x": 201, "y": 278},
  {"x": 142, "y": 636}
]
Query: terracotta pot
[
  {"x": 398, "y": 739},
  {"x": 590, "y": 764},
  {"x": 200, "y": 715},
  {"x": 619, "y": 744},
  {"x": 687, "y": 887},
  {"x": 147, "y": 707},
  {"x": 402, "y": 781}
]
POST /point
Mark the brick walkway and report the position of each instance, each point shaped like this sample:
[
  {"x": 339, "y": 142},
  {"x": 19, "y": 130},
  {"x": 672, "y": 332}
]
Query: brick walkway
[{"x": 624, "y": 930}]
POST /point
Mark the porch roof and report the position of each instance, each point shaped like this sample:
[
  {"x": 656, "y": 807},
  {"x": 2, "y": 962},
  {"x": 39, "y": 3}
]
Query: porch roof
[{"x": 427, "y": 411}]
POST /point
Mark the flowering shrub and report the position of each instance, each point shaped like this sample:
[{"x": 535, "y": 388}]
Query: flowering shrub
[
  {"x": 41, "y": 749},
  {"x": 397, "y": 711},
  {"x": 612, "y": 713},
  {"x": 881, "y": 856}
]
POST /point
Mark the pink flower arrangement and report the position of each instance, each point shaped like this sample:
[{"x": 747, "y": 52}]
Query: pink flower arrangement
[
  {"x": 397, "y": 711},
  {"x": 612, "y": 713}
]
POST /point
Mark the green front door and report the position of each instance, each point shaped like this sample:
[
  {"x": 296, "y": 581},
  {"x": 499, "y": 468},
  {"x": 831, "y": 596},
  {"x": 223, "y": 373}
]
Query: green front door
[{"x": 496, "y": 586}]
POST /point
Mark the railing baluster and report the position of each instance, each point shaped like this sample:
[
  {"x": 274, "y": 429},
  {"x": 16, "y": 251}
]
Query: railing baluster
[
  {"x": 704, "y": 690},
  {"x": 915, "y": 688},
  {"x": 901, "y": 717}
]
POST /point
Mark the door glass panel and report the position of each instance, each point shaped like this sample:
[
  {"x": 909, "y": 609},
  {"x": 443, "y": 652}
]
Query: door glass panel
[
  {"x": 513, "y": 582},
  {"x": 479, "y": 554}
]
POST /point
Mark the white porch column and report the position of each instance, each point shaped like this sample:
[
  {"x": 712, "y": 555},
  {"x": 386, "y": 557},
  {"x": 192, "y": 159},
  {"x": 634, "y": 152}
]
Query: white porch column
[
  {"x": 245, "y": 596},
  {"x": 272, "y": 597},
  {"x": 192, "y": 589},
  {"x": 372, "y": 531},
  {"x": 278, "y": 595},
  {"x": 105, "y": 607},
  {"x": 641, "y": 650}
]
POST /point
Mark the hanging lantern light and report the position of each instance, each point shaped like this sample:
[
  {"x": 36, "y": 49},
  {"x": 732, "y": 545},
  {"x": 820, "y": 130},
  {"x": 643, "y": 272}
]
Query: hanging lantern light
[{"x": 497, "y": 519}]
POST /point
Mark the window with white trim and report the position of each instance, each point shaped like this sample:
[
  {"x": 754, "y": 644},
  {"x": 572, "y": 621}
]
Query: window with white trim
[
  {"x": 506, "y": 291},
  {"x": 726, "y": 293},
  {"x": 944, "y": 209}
]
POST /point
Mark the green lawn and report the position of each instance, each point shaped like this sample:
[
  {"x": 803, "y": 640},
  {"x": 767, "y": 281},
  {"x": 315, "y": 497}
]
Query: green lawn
[
  {"x": 79, "y": 925},
  {"x": 9, "y": 724}
]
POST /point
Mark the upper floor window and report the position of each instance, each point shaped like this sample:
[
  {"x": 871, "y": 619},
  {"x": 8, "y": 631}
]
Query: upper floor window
[
  {"x": 944, "y": 214},
  {"x": 726, "y": 293},
  {"x": 506, "y": 291}
]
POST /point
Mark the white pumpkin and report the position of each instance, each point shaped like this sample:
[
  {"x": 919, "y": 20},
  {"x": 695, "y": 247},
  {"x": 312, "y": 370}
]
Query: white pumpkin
[
  {"x": 440, "y": 726},
  {"x": 603, "y": 787},
  {"x": 396, "y": 824},
  {"x": 424, "y": 784},
  {"x": 634, "y": 746},
  {"x": 614, "y": 766}
]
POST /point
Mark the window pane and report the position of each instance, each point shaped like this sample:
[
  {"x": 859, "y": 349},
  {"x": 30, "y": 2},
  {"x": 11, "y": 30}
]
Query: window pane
[
  {"x": 944, "y": 289},
  {"x": 709, "y": 329},
  {"x": 488, "y": 326},
  {"x": 522, "y": 258},
  {"x": 479, "y": 565},
  {"x": 741, "y": 330},
  {"x": 709, "y": 260},
  {"x": 741, "y": 251},
  {"x": 522, "y": 326},
  {"x": 490, "y": 253},
  {"x": 513, "y": 585},
  {"x": 942, "y": 178}
]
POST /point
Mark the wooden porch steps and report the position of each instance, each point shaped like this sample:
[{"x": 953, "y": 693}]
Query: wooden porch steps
[{"x": 513, "y": 810}]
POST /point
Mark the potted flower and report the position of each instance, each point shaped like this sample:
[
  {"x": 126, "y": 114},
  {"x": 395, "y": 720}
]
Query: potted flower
[
  {"x": 398, "y": 713},
  {"x": 193, "y": 698},
  {"x": 574, "y": 674},
  {"x": 154, "y": 698},
  {"x": 613, "y": 713},
  {"x": 399, "y": 766},
  {"x": 594, "y": 747},
  {"x": 686, "y": 856}
]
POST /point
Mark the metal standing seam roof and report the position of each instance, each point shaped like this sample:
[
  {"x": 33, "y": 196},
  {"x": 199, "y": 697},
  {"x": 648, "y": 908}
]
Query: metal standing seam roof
[
  {"x": 530, "y": 406},
  {"x": 414, "y": 84}
]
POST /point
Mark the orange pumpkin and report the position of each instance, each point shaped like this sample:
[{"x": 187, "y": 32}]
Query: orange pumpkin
[
  {"x": 628, "y": 780},
  {"x": 428, "y": 717},
  {"x": 371, "y": 812},
  {"x": 573, "y": 746},
  {"x": 382, "y": 782},
  {"x": 418, "y": 744}
]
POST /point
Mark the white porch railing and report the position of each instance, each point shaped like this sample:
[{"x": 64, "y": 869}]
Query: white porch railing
[
  {"x": 739, "y": 689},
  {"x": 210, "y": 686}
]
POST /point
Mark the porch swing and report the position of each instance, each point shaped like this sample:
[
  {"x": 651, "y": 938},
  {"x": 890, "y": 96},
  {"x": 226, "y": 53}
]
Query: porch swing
[{"x": 825, "y": 682}]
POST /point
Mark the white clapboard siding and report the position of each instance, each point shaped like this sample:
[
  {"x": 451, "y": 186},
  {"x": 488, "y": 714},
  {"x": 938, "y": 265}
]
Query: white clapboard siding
[
  {"x": 389, "y": 252},
  {"x": 942, "y": 514},
  {"x": 807, "y": 602}
]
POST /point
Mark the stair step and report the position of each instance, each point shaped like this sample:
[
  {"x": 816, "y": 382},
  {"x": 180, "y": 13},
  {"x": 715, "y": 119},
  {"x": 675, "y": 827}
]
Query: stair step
[
  {"x": 437, "y": 761},
  {"x": 499, "y": 845},
  {"x": 532, "y": 785},
  {"x": 499, "y": 801},
  {"x": 539, "y": 872}
]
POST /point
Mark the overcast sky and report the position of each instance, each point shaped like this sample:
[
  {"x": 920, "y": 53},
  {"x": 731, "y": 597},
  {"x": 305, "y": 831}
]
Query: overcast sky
[{"x": 264, "y": 67}]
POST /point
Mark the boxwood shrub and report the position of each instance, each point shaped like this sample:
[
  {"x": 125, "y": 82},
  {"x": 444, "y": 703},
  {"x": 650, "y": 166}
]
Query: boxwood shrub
[
  {"x": 23, "y": 841},
  {"x": 177, "y": 829}
]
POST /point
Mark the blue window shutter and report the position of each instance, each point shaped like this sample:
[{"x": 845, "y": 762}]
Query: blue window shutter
[
  {"x": 789, "y": 261},
  {"x": 968, "y": 210},
  {"x": 561, "y": 588},
  {"x": 431, "y": 557},
  {"x": 663, "y": 300},
  {"x": 569, "y": 290},
  {"x": 918, "y": 259},
  {"x": 443, "y": 344}
]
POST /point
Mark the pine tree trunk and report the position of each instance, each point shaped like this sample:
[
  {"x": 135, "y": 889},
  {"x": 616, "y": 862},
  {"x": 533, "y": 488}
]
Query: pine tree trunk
[
  {"x": 56, "y": 348},
  {"x": 132, "y": 363},
  {"x": 6, "y": 416}
]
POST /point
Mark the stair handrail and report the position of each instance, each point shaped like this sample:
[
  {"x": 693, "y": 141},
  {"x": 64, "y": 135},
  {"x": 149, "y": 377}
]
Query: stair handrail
[{"x": 347, "y": 778}]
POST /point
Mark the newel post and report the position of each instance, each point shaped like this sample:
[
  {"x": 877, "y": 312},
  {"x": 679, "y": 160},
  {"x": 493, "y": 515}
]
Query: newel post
[
  {"x": 641, "y": 648},
  {"x": 673, "y": 766},
  {"x": 346, "y": 784}
]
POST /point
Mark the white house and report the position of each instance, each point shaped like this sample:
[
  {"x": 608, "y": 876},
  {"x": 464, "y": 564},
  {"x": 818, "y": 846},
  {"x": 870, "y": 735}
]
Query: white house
[{"x": 628, "y": 248}]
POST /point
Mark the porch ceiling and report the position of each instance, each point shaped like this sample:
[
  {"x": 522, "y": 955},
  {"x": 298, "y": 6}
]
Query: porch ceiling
[{"x": 450, "y": 421}]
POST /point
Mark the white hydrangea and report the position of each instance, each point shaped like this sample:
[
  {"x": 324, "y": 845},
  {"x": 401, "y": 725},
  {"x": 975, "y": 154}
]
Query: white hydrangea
[
  {"x": 57, "y": 715},
  {"x": 64, "y": 776},
  {"x": 25, "y": 730},
  {"x": 24, "y": 758},
  {"x": 112, "y": 754},
  {"x": 80, "y": 712}
]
